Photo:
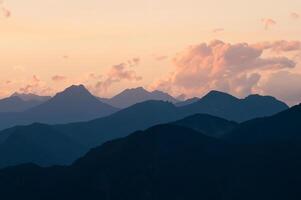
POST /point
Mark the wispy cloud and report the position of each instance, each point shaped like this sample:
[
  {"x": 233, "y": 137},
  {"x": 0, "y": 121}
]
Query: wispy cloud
[
  {"x": 134, "y": 62},
  {"x": 295, "y": 15},
  {"x": 218, "y": 30},
  {"x": 35, "y": 85},
  {"x": 118, "y": 73},
  {"x": 5, "y": 12},
  {"x": 58, "y": 78},
  {"x": 268, "y": 22},
  {"x": 279, "y": 46},
  {"x": 160, "y": 57}
]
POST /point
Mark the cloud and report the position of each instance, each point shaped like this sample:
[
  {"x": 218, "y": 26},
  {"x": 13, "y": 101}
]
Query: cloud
[
  {"x": 116, "y": 74},
  {"x": 235, "y": 68},
  {"x": 6, "y": 13},
  {"x": 134, "y": 62},
  {"x": 218, "y": 30},
  {"x": 268, "y": 22},
  {"x": 160, "y": 58},
  {"x": 31, "y": 86},
  {"x": 58, "y": 78},
  {"x": 280, "y": 46},
  {"x": 35, "y": 85},
  {"x": 66, "y": 57},
  {"x": 284, "y": 85},
  {"x": 294, "y": 15}
]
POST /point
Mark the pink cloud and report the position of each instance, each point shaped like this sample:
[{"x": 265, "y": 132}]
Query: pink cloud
[
  {"x": 116, "y": 74},
  {"x": 161, "y": 58},
  {"x": 134, "y": 62},
  {"x": 280, "y": 46},
  {"x": 4, "y": 11},
  {"x": 294, "y": 15},
  {"x": 58, "y": 78},
  {"x": 36, "y": 86},
  {"x": 218, "y": 30},
  {"x": 284, "y": 85},
  {"x": 268, "y": 22},
  {"x": 235, "y": 68}
]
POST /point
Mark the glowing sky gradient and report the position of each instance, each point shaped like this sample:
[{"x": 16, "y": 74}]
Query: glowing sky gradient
[{"x": 51, "y": 44}]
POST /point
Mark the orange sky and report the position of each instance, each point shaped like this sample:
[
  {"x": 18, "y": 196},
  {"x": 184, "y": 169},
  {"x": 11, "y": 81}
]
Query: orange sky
[{"x": 63, "y": 42}]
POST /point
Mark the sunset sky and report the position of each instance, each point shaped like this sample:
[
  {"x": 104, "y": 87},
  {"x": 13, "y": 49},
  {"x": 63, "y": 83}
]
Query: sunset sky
[{"x": 182, "y": 47}]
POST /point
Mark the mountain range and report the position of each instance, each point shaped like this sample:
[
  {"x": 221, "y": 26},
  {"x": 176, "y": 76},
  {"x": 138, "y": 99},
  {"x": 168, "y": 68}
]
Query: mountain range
[
  {"x": 74, "y": 104},
  {"x": 83, "y": 136},
  {"x": 19, "y": 102},
  {"x": 130, "y": 97},
  {"x": 174, "y": 161},
  {"x": 16, "y": 104},
  {"x": 31, "y": 97},
  {"x": 232, "y": 108}
]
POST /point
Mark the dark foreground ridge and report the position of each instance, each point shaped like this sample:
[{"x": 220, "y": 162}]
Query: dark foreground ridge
[{"x": 173, "y": 162}]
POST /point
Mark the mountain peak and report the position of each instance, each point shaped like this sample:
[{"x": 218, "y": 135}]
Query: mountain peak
[
  {"x": 132, "y": 96},
  {"x": 214, "y": 94},
  {"x": 74, "y": 90},
  {"x": 258, "y": 96},
  {"x": 135, "y": 90}
]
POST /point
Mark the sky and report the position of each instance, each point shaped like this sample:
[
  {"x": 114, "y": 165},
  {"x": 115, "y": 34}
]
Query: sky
[{"x": 181, "y": 47}]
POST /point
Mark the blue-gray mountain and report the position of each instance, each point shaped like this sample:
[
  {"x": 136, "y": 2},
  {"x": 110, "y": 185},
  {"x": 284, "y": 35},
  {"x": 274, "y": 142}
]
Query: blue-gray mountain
[
  {"x": 17, "y": 104},
  {"x": 31, "y": 97},
  {"x": 72, "y": 105},
  {"x": 229, "y": 107},
  {"x": 130, "y": 97}
]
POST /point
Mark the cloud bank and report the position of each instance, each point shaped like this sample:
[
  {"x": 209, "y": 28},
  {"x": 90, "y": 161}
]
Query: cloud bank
[{"x": 234, "y": 68}]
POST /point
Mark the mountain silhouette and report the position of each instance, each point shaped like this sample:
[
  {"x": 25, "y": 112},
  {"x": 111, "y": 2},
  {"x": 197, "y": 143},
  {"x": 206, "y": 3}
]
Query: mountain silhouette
[
  {"x": 37, "y": 143},
  {"x": 31, "y": 97},
  {"x": 130, "y": 97},
  {"x": 16, "y": 104},
  {"x": 163, "y": 162},
  {"x": 86, "y": 135},
  {"x": 207, "y": 124},
  {"x": 139, "y": 117},
  {"x": 147, "y": 158},
  {"x": 75, "y": 103},
  {"x": 90, "y": 134},
  {"x": 283, "y": 127},
  {"x": 187, "y": 102},
  {"x": 229, "y": 107}
]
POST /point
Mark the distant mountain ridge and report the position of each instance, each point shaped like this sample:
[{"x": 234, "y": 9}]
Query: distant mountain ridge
[
  {"x": 130, "y": 97},
  {"x": 31, "y": 97},
  {"x": 16, "y": 104},
  {"x": 226, "y": 106},
  {"x": 74, "y": 104},
  {"x": 187, "y": 102}
]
